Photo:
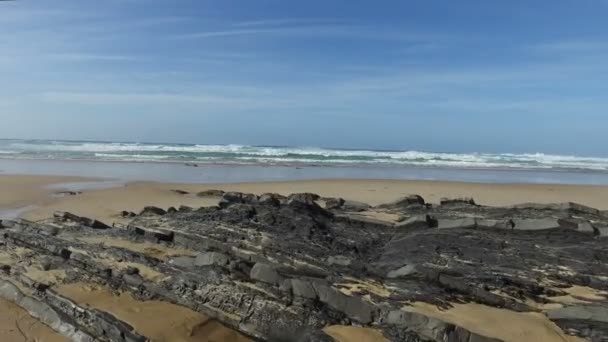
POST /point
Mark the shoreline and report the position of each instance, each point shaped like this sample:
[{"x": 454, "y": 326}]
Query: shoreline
[
  {"x": 319, "y": 164},
  {"x": 234, "y": 173}
]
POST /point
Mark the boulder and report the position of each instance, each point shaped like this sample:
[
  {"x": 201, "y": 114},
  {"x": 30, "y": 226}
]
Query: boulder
[
  {"x": 183, "y": 261},
  {"x": 334, "y": 203},
  {"x": 303, "y": 288},
  {"x": 210, "y": 193},
  {"x": 271, "y": 199},
  {"x": 587, "y": 227},
  {"x": 405, "y": 201},
  {"x": 151, "y": 210},
  {"x": 349, "y": 205},
  {"x": 211, "y": 258},
  {"x": 355, "y": 308},
  {"x": 265, "y": 273}
]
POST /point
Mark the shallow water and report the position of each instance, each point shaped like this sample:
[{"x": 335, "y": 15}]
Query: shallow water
[{"x": 121, "y": 172}]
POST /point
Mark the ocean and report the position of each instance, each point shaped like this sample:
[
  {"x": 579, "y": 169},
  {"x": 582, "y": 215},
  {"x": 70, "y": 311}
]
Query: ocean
[
  {"x": 278, "y": 155},
  {"x": 242, "y": 163}
]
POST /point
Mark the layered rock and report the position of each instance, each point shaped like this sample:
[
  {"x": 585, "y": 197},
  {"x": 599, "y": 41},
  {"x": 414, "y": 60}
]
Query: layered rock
[{"x": 284, "y": 268}]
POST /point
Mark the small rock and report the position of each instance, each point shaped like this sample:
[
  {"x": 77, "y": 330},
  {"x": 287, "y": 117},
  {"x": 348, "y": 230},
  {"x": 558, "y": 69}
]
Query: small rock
[
  {"x": 171, "y": 210},
  {"x": 179, "y": 192}
]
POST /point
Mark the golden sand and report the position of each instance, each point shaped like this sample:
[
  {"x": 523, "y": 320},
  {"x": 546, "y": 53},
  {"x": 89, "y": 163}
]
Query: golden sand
[
  {"x": 105, "y": 204},
  {"x": 160, "y": 321},
  {"x": 16, "y": 325},
  {"x": 342, "y": 333}
]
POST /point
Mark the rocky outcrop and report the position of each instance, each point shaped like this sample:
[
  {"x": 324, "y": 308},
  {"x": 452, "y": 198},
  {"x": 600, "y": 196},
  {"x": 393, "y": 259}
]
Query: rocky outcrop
[{"x": 271, "y": 266}]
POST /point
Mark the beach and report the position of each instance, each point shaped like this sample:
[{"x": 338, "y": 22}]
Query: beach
[{"x": 37, "y": 197}]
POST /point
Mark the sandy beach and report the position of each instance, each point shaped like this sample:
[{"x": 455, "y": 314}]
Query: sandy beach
[
  {"x": 32, "y": 196},
  {"x": 37, "y": 197}
]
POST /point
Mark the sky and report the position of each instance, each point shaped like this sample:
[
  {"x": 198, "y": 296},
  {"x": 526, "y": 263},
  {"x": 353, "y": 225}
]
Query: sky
[{"x": 460, "y": 76}]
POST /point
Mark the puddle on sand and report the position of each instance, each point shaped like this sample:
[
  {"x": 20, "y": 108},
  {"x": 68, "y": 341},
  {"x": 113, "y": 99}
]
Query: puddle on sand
[{"x": 159, "y": 321}]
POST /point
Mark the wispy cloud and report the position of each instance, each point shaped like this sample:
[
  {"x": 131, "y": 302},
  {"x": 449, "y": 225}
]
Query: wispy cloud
[
  {"x": 319, "y": 30},
  {"x": 83, "y": 57}
]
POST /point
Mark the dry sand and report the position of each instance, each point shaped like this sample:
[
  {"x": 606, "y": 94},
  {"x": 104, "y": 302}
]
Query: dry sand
[
  {"x": 342, "y": 333},
  {"x": 160, "y": 321},
  {"x": 16, "y": 325},
  {"x": 20, "y": 191}
]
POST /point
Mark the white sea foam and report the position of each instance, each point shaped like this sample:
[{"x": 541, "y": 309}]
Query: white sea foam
[{"x": 282, "y": 155}]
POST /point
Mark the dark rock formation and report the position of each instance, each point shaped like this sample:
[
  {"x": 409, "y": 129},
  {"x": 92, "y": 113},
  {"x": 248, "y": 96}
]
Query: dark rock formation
[{"x": 276, "y": 268}]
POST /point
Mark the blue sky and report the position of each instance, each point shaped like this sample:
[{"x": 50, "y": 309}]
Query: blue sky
[{"x": 465, "y": 76}]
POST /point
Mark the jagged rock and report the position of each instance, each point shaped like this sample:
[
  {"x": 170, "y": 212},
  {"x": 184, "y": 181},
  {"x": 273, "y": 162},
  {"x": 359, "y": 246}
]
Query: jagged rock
[
  {"x": 405, "y": 202},
  {"x": 355, "y": 206},
  {"x": 589, "y": 321},
  {"x": 334, "y": 203},
  {"x": 153, "y": 210},
  {"x": 265, "y": 273},
  {"x": 210, "y": 193},
  {"x": 270, "y": 265},
  {"x": 354, "y": 308},
  {"x": 416, "y": 222},
  {"x": 184, "y": 209},
  {"x": 125, "y": 213},
  {"x": 463, "y": 200},
  {"x": 271, "y": 199},
  {"x": 230, "y": 198},
  {"x": 211, "y": 258}
]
